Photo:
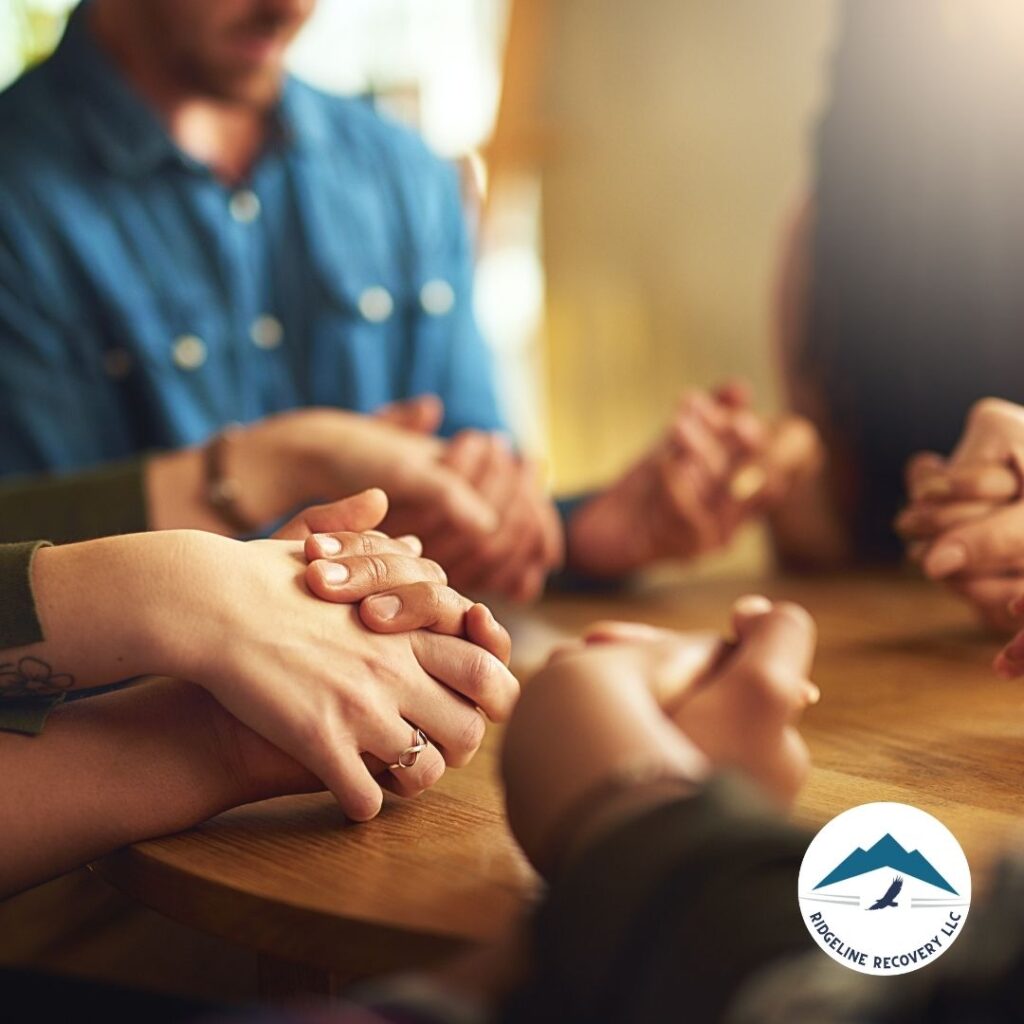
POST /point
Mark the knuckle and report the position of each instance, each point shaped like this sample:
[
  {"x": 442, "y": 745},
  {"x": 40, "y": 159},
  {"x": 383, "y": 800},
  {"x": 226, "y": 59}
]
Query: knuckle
[
  {"x": 428, "y": 598},
  {"x": 357, "y": 705},
  {"x": 480, "y": 673},
  {"x": 312, "y": 732},
  {"x": 365, "y": 544},
  {"x": 469, "y": 735},
  {"x": 377, "y": 570},
  {"x": 434, "y": 569}
]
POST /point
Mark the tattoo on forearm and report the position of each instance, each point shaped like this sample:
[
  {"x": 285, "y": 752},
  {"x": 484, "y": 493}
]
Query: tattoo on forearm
[{"x": 32, "y": 677}]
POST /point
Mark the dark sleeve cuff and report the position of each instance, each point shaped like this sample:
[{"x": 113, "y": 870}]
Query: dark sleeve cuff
[
  {"x": 27, "y": 714},
  {"x": 571, "y": 580},
  {"x": 80, "y": 506},
  {"x": 20, "y": 625},
  {"x": 676, "y": 907}
]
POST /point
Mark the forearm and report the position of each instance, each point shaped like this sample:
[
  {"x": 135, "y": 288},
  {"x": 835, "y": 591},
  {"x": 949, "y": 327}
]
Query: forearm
[
  {"x": 273, "y": 464},
  {"x": 118, "y": 768},
  {"x": 598, "y": 543},
  {"x": 107, "y": 609}
]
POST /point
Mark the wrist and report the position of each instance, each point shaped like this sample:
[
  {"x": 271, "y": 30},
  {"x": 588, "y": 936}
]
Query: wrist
[
  {"x": 597, "y": 537},
  {"x": 102, "y": 604},
  {"x": 188, "y": 614},
  {"x": 279, "y": 464}
]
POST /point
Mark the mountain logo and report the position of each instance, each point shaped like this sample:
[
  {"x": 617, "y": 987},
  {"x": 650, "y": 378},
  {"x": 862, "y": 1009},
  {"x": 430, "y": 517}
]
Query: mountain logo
[
  {"x": 886, "y": 853},
  {"x": 900, "y": 865}
]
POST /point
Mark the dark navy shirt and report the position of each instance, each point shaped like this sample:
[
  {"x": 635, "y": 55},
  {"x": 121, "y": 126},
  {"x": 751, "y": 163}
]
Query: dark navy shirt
[{"x": 144, "y": 304}]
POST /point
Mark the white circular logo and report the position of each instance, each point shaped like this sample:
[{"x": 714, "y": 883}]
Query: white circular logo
[{"x": 884, "y": 888}]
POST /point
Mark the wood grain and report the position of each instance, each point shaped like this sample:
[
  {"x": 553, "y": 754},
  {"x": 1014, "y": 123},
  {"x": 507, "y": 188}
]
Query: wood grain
[{"x": 910, "y": 711}]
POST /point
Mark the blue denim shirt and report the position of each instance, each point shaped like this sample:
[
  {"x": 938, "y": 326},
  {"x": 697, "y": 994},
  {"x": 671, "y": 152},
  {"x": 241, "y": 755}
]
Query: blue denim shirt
[{"x": 144, "y": 304}]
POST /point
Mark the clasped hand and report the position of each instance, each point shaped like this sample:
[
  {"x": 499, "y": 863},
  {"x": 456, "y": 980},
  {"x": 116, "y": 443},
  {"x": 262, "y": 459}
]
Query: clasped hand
[
  {"x": 716, "y": 466},
  {"x": 633, "y": 701},
  {"x": 341, "y": 689},
  {"x": 965, "y": 521}
]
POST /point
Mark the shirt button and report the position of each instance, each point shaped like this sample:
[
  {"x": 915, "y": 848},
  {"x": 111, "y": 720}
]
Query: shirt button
[
  {"x": 244, "y": 205},
  {"x": 376, "y": 304},
  {"x": 189, "y": 352},
  {"x": 437, "y": 297},
  {"x": 266, "y": 332},
  {"x": 117, "y": 363}
]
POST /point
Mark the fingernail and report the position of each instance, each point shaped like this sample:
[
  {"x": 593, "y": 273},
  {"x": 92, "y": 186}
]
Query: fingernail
[
  {"x": 386, "y": 606},
  {"x": 334, "y": 573},
  {"x": 328, "y": 545},
  {"x": 813, "y": 694},
  {"x": 752, "y": 604},
  {"x": 944, "y": 560}
]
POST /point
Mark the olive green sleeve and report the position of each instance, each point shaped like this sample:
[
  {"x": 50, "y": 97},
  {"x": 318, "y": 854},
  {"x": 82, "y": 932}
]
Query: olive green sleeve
[
  {"x": 19, "y": 626},
  {"x": 99, "y": 502}
]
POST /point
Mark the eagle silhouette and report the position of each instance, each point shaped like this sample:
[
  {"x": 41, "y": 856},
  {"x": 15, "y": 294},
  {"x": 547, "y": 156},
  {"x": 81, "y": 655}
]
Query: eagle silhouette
[{"x": 889, "y": 899}]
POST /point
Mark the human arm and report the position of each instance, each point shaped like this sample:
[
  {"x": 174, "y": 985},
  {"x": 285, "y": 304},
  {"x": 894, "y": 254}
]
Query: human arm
[
  {"x": 293, "y": 459},
  {"x": 659, "y": 705},
  {"x": 249, "y": 620},
  {"x": 716, "y": 467},
  {"x": 607, "y": 795},
  {"x": 123, "y": 767}
]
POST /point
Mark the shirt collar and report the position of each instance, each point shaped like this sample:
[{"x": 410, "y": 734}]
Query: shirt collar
[
  {"x": 301, "y": 117},
  {"x": 125, "y": 132},
  {"x": 128, "y": 134}
]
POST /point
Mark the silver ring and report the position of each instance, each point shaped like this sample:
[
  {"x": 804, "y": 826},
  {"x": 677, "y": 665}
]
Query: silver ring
[{"x": 407, "y": 758}]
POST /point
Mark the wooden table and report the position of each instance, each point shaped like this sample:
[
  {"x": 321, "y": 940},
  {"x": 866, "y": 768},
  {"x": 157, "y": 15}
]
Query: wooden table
[{"x": 910, "y": 712}]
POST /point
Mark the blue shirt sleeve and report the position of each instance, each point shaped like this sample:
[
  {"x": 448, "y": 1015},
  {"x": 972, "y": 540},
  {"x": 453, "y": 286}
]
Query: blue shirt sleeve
[{"x": 450, "y": 356}]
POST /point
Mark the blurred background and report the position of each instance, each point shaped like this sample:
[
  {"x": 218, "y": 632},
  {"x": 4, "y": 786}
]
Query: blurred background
[{"x": 632, "y": 166}]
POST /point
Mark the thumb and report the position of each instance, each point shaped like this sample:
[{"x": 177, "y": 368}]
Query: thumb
[
  {"x": 773, "y": 635},
  {"x": 363, "y": 511},
  {"x": 422, "y": 414}
]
